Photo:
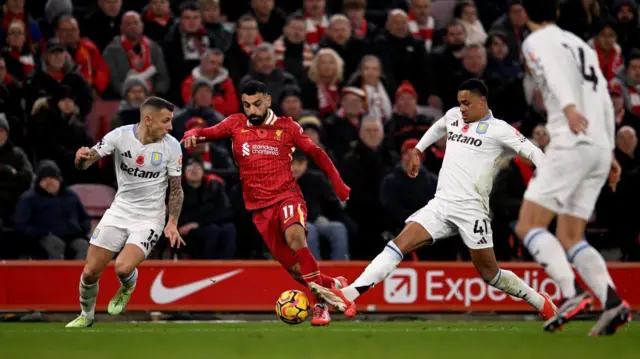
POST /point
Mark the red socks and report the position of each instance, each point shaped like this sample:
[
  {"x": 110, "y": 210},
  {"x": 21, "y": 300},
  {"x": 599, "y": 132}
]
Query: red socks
[{"x": 308, "y": 266}]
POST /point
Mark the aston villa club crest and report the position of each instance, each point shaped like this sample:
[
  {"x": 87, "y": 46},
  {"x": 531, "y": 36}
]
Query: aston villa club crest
[
  {"x": 482, "y": 128},
  {"x": 156, "y": 158}
]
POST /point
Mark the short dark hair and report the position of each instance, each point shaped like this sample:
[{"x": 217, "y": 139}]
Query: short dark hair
[
  {"x": 158, "y": 103},
  {"x": 540, "y": 11},
  {"x": 475, "y": 86},
  {"x": 297, "y": 15},
  {"x": 188, "y": 5},
  {"x": 254, "y": 87}
]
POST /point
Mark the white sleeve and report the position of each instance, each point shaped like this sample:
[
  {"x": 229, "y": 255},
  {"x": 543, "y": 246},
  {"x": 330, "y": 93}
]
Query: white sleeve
[
  {"x": 543, "y": 61},
  {"x": 513, "y": 139},
  {"x": 108, "y": 143},
  {"x": 174, "y": 166},
  {"x": 433, "y": 134}
]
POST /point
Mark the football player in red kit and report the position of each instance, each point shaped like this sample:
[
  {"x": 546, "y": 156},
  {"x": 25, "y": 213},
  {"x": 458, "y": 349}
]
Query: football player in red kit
[{"x": 262, "y": 144}]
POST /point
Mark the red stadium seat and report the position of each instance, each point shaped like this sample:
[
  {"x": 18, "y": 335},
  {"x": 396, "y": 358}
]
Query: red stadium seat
[{"x": 96, "y": 198}]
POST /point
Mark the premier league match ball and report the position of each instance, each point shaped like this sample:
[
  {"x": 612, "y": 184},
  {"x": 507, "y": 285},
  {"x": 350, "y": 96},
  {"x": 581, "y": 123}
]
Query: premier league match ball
[{"x": 292, "y": 307}]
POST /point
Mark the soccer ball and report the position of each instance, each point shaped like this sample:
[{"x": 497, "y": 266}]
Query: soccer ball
[{"x": 292, "y": 307}]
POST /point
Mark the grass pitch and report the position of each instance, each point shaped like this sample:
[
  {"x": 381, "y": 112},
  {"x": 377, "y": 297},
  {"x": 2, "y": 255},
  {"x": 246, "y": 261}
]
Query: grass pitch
[{"x": 348, "y": 340}]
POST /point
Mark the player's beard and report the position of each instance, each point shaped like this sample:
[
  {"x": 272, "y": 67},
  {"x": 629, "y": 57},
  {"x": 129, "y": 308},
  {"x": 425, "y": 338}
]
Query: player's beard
[{"x": 257, "y": 120}]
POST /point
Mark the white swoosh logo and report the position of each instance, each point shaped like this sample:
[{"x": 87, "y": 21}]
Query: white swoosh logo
[{"x": 163, "y": 295}]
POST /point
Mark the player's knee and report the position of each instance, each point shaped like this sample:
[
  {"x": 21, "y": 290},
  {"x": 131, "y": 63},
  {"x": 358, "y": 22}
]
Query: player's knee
[
  {"x": 91, "y": 274},
  {"x": 124, "y": 269},
  {"x": 522, "y": 228},
  {"x": 487, "y": 270},
  {"x": 296, "y": 237}
]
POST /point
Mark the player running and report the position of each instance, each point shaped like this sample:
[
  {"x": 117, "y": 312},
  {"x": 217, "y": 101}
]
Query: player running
[
  {"x": 262, "y": 147},
  {"x": 147, "y": 159},
  {"x": 578, "y": 162},
  {"x": 475, "y": 141}
]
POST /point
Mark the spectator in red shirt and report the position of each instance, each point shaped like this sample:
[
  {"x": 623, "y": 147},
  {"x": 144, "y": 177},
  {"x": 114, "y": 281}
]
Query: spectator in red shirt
[
  {"x": 18, "y": 53},
  {"x": 84, "y": 52},
  {"x": 225, "y": 98},
  {"x": 157, "y": 19},
  {"x": 14, "y": 10}
]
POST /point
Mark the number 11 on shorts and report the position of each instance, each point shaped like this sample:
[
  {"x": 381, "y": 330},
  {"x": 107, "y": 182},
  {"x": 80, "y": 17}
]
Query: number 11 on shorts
[{"x": 288, "y": 211}]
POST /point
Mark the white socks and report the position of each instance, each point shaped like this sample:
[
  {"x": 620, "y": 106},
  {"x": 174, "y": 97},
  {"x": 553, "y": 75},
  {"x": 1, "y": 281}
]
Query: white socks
[
  {"x": 129, "y": 283},
  {"x": 88, "y": 295},
  {"x": 548, "y": 252},
  {"x": 376, "y": 271},
  {"x": 511, "y": 284},
  {"x": 592, "y": 269}
]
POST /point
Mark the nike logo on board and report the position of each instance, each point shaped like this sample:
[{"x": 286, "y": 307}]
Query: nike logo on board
[{"x": 163, "y": 295}]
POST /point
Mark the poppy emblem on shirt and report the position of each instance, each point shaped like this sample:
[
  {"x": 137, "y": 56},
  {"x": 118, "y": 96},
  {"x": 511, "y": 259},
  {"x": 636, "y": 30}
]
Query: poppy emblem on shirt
[
  {"x": 262, "y": 133},
  {"x": 482, "y": 128},
  {"x": 156, "y": 158},
  {"x": 140, "y": 160},
  {"x": 465, "y": 128}
]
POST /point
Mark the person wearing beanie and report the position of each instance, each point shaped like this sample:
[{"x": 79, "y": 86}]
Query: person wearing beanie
[
  {"x": 134, "y": 92},
  {"x": 51, "y": 216},
  {"x": 291, "y": 102},
  {"x": 406, "y": 122},
  {"x": 200, "y": 105},
  {"x": 16, "y": 173}
]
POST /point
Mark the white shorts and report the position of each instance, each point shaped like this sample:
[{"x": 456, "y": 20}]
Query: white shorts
[
  {"x": 112, "y": 233},
  {"x": 445, "y": 219},
  {"x": 569, "y": 180}
]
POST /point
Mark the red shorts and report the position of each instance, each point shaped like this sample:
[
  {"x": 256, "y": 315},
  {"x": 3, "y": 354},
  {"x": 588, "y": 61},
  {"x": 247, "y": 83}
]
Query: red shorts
[{"x": 274, "y": 220}]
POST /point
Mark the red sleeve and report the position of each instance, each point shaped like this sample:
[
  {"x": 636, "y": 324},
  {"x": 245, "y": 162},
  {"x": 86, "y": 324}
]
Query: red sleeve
[
  {"x": 186, "y": 90},
  {"x": 301, "y": 141},
  {"x": 222, "y": 130},
  {"x": 101, "y": 80},
  {"x": 228, "y": 103}
]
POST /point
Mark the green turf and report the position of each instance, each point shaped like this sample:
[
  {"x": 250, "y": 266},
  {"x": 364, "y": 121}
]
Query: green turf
[{"x": 389, "y": 340}]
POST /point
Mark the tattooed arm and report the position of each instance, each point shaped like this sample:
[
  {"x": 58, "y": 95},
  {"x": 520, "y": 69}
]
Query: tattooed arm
[
  {"x": 176, "y": 196},
  {"x": 85, "y": 157}
]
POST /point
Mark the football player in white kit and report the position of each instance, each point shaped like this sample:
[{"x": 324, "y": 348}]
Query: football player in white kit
[
  {"x": 147, "y": 160},
  {"x": 475, "y": 141},
  {"x": 578, "y": 161}
]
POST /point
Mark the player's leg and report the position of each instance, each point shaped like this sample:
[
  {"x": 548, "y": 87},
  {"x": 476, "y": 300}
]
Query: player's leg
[
  {"x": 140, "y": 242},
  {"x": 105, "y": 242},
  {"x": 421, "y": 229}
]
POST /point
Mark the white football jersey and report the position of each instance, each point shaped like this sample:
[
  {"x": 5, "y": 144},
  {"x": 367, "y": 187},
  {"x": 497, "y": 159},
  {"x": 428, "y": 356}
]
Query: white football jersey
[
  {"x": 472, "y": 154},
  {"x": 567, "y": 71},
  {"x": 142, "y": 172}
]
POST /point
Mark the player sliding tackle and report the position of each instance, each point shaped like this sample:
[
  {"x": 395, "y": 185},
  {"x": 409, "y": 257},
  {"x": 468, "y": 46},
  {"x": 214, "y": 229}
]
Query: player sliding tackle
[
  {"x": 262, "y": 147},
  {"x": 475, "y": 140},
  {"x": 147, "y": 160}
]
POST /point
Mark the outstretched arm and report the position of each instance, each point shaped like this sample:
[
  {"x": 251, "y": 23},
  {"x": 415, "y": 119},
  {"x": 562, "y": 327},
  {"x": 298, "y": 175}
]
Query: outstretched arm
[
  {"x": 433, "y": 134},
  {"x": 85, "y": 157},
  {"x": 217, "y": 132},
  {"x": 513, "y": 139},
  {"x": 323, "y": 161}
]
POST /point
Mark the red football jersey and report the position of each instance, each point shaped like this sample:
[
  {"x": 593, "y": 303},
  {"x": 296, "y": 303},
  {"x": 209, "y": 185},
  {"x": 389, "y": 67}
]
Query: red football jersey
[{"x": 263, "y": 155}]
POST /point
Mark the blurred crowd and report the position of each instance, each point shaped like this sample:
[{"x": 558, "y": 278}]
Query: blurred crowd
[{"x": 364, "y": 78}]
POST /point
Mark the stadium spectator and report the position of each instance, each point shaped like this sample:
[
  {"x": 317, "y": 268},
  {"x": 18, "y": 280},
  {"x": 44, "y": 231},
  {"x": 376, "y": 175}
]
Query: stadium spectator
[
  {"x": 133, "y": 54},
  {"x": 16, "y": 174},
  {"x": 316, "y": 22},
  {"x": 369, "y": 79},
  {"x": 501, "y": 63},
  {"x": 134, "y": 92},
  {"x": 435, "y": 155},
  {"x": 225, "y": 97},
  {"x": 293, "y": 54},
  {"x": 628, "y": 30},
  {"x": 629, "y": 82},
  {"x": 364, "y": 168},
  {"x": 263, "y": 69},
  {"x": 447, "y": 59},
  {"x": 467, "y": 13},
  {"x": 238, "y": 56},
  {"x": 421, "y": 23},
  {"x": 184, "y": 46},
  {"x": 325, "y": 216},
  {"x": 19, "y": 55},
  {"x": 624, "y": 117},
  {"x": 322, "y": 92},
  {"x": 214, "y": 25},
  {"x": 51, "y": 216},
  {"x": 56, "y": 131},
  {"x": 355, "y": 11},
  {"x": 401, "y": 195},
  {"x": 84, "y": 53},
  {"x": 627, "y": 149},
  {"x": 271, "y": 20},
  {"x": 313, "y": 128},
  {"x": 580, "y": 17},
  {"x": 405, "y": 58},
  {"x": 608, "y": 50},
  {"x": 214, "y": 157},
  {"x": 15, "y": 10},
  {"x": 339, "y": 37},
  {"x": 200, "y": 106},
  {"x": 53, "y": 10},
  {"x": 57, "y": 69},
  {"x": 205, "y": 221},
  {"x": 102, "y": 25},
  {"x": 11, "y": 98},
  {"x": 514, "y": 25},
  {"x": 341, "y": 128},
  {"x": 406, "y": 123},
  {"x": 291, "y": 102},
  {"x": 157, "y": 19}
]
